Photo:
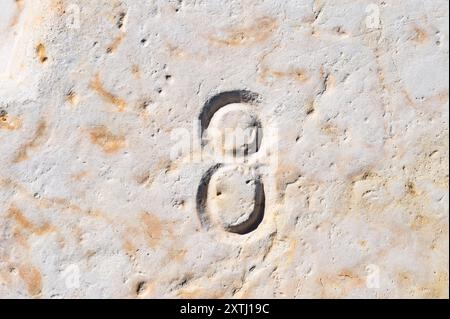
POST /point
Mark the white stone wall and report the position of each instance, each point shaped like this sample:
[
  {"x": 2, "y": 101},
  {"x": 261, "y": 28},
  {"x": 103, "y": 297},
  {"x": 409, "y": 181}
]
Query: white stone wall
[{"x": 119, "y": 177}]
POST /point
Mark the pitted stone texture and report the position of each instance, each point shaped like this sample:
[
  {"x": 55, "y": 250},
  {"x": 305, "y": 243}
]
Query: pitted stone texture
[{"x": 93, "y": 204}]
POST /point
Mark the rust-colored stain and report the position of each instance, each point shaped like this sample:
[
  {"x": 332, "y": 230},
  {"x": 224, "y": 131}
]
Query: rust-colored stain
[
  {"x": 73, "y": 98},
  {"x": 436, "y": 288},
  {"x": 44, "y": 229},
  {"x": 106, "y": 140},
  {"x": 258, "y": 32},
  {"x": 286, "y": 175},
  {"x": 153, "y": 228},
  {"x": 18, "y": 216},
  {"x": 9, "y": 123},
  {"x": 420, "y": 221},
  {"x": 98, "y": 87},
  {"x": 339, "y": 285},
  {"x": 19, "y": 10},
  {"x": 22, "y": 221},
  {"x": 200, "y": 293},
  {"x": 80, "y": 176},
  {"x": 61, "y": 202},
  {"x": 116, "y": 43},
  {"x": 298, "y": 75},
  {"x": 332, "y": 131},
  {"x": 32, "y": 278},
  {"x": 41, "y": 53},
  {"x": 58, "y": 6},
  {"x": 420, "y": 35},
  {"x": 129, "y": 247},
  {"x": 164, "y": 164},
  {"x": 292, "y": 251},
  {"x": 442, "y": 97},
  {"x": 411, "y": 188},
  {"x": 177, "y": 251},
  {"x": 136, "y": 71},
  {"x": 176, "y": 51},
  {"x": 38, "y": 139},
  {"x": 408, "y": 98}
]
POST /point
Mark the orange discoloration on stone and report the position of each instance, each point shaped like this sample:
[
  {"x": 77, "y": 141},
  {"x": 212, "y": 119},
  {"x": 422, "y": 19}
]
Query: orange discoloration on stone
[
  {"x": 292, "y": 251},
  {"x": 26, "y": 225},
  {"x": 97, "y": 86},
  {"x": 107, "y": 141},
  {"x": 38, "y": 139},
  {"x": 41, "y": 53},
  {"x": 408, "y": 284},
  {"x": 80, "y": 176},
  {"x": 176, "y": 51},
  {"x": 176, "y": 254},
  {"x": 409, "y": 100},
  {"x": 60, "y": 202},
  {"x": 163, "y": 164},
  {"x": 420, "y": 221},
  {"x": 45, "y": 229},
  {"x": 20, "y": 218},
  {"x": 339, "y": 285},
  {"x": 420, "y": 35},
  {"x": 129, "y": 247},
  {"x": 116, "y": 43},
  {"x": 136, "y": 71},
  {"x": 199, "y": 293},
  {"x": 258, "y": 32},
  {"x": 411, "y": 188},
  {"x": 20, "y": 238},
  {"x": 438, "y": 288},
  {"x": 32, "y": 278},
  {"x": 286, "y": 175},
  {"x": 73, "y": 98},
  {"x": 58, "y": 6},
  {"x": 153, "y": 228},
  {"x": 19, "y": 10},
  {"x": 332, "y": 131},
  {"x": 9, "y": 123},
  {"x": 300, "y": 76}
]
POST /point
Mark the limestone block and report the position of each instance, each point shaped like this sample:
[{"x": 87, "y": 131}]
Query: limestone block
[{"x": 224, "y": 149}]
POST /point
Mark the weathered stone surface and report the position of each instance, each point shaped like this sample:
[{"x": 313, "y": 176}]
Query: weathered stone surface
[{"x": 115, "y": 181}]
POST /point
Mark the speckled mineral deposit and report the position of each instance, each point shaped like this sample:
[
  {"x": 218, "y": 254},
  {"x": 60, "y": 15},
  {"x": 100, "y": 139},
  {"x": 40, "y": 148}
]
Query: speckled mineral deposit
[{"x": 224, "y": 149}]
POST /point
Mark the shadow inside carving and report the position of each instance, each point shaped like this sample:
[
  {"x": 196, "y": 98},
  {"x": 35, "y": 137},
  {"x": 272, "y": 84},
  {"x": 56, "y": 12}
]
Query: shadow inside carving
[
  {"x": 202, "y": 195},
  {"x": 256, "y": 217},
  {"x": 222, "y": 99}
]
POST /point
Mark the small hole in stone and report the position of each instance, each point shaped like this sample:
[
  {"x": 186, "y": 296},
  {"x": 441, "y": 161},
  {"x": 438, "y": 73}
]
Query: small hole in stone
[
  {"x": 144, "y": 105},
  {"x": 121, "y": 19},
  {"x": 141, "y": 286},
  {"x": 310, "y": 111}
]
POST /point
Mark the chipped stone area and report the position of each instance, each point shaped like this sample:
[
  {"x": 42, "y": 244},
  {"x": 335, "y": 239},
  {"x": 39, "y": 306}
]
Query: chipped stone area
[{"x": 118, "y": 173}]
